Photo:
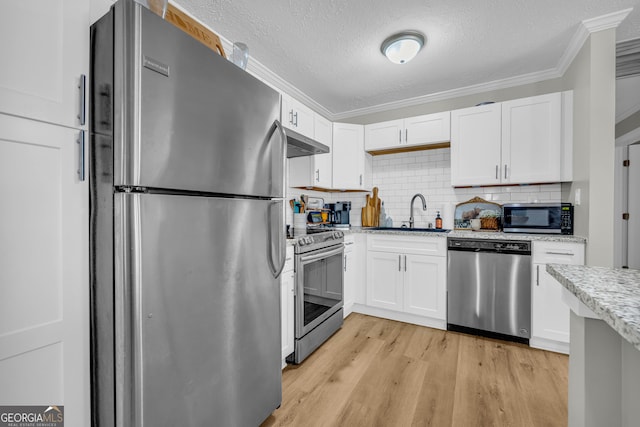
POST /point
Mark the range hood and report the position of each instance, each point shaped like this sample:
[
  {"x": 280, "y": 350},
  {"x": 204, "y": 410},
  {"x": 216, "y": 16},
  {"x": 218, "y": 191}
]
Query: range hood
[{"x": 299, "y": 145}]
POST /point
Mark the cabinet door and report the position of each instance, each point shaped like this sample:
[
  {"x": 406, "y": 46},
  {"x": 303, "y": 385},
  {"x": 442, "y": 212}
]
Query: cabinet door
[
  {"x": 44, "y": 308},
  {"x": 317, "y": 170},
  {"x": 475, "y": 145},
  {"x": 532, "y": 139},
  {"x": 425, "y": 286},
  {"x": 287, "y": 285},
  {"x": 550, "y": 315},
  {"x": 428, "y": 129},
  {"x": 348, "y": 156},
  {"x": 297, "y": 116},
  {"x": 323, "y": 170},
  {"x": 44, "y": 51},
  {"x": 349, "y": 280},
  {"x": 384, "y": 135},
  {"x": 384, "y": 280}
]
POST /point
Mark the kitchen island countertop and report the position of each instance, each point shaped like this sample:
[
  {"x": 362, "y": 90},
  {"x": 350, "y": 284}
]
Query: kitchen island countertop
[{"x": 613, "y": 294}]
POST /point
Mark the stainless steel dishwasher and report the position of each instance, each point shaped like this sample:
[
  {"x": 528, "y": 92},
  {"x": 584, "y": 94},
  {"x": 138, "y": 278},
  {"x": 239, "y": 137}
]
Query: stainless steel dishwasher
[{"x": 489, "y": 288}]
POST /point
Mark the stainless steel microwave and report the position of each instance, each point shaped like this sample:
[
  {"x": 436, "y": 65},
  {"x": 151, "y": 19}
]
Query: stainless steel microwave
[{"x": 552, "y": 218}]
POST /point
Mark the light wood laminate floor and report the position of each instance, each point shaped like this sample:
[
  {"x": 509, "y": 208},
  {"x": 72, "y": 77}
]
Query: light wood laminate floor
[{"x": 378, "y": 372}]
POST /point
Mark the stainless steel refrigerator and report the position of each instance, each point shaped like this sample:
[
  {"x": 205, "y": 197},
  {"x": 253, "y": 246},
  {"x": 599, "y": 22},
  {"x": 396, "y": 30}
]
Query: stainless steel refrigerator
[{"x": 187, "y": 230}]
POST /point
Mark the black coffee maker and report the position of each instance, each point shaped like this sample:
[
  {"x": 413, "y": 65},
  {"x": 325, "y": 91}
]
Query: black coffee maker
[{"x": 339, "y": 214}]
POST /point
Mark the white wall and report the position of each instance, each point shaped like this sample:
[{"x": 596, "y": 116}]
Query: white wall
[{"x": 591, "y": 76}]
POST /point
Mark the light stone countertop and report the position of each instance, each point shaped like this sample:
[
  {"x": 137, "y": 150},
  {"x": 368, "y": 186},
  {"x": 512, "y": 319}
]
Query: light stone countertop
[
  {"x": 613, "y": 294},
  {"x": 477, "y": 235}
]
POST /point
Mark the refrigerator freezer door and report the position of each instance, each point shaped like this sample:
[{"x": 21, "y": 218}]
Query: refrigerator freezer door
[
  {"x": 204, "y": 124},
  {"x": 205, "y": 310}
]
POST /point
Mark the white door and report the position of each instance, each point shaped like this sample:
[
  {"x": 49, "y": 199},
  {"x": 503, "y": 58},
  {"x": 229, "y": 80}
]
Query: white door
[
  {"x": 475, "y": 145},
  {"x": 425, "y": 286},
  {"x": 44, "y": 308},
  {"x": 634, "y": 207},
  {"x": 428, "y": 129},
  {"x": 384, "y": 135},
  {"x": 348, "y": 156},
  {"x": 384, "y": 280},
  {"x": 44, "y": 49},
  {"x": 532, "y": 139}
]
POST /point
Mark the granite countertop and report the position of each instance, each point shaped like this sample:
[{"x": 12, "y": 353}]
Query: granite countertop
[
  {"x": 466, "y": 234},
  {"x": 478, "y": 235},
  {"x": 613, "y": 294}
]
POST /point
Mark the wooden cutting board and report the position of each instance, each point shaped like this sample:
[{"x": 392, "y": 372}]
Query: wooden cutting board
[{"x": 195, "y": 29}]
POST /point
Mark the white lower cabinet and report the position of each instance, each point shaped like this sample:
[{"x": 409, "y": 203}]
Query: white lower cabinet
[
  {"x": 287, "y": 288},
  {"x": 408, "y": 275},
  {"x": 550, "y": 315},
  {"x": 350, "y": 271}
]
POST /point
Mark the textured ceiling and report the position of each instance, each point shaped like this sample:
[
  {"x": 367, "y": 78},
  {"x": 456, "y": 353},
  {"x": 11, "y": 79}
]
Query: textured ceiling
[{"x": 330, "y": 49}]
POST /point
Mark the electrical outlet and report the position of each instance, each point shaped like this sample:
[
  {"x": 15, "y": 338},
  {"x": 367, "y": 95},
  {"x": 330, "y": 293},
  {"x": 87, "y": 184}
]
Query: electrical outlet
[{"x": 576, "y": 197}]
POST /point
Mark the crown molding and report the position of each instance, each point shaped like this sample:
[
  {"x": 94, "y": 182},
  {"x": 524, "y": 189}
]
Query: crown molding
[
  {"x": 264, "y": 74},
  {"x": 605, "y": 22},
  {"x": 628, "y": 138},
  {"x": 454, "y": 93},
  {"x": 620, "y": 116},
  {"x": 588, "y": 26}
]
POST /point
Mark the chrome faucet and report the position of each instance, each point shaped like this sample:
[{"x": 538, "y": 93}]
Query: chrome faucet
[{"x": 424, "y": 208}]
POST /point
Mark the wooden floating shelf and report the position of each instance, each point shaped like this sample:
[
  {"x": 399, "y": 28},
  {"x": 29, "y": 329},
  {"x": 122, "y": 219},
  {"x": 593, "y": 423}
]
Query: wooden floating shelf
[{"x": 401, "y": 149}]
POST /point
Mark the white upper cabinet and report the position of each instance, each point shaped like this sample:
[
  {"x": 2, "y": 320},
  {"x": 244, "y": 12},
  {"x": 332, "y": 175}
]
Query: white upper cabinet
[
  {"x": 427, "y": 129},
  {"x": 383, "y": 135},
  {"x": 297, "y": 116},
  {"x": 410, "y": 132},
  {"x": 531, "y": 139},
  {"x": 522, "y": 141},
  {"x": 323, "y": 163},
  {"x": 44, "y": 51},
  {"x": 316, "y": 170},
  {"x": 475, "y": 145},
  {"x": 348, "y": 157}
]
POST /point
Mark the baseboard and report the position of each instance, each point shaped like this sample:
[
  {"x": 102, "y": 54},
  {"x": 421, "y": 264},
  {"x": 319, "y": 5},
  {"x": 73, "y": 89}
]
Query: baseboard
[
  {"x": 549, "y": 345},
  {"x": 400, "y": 317}
]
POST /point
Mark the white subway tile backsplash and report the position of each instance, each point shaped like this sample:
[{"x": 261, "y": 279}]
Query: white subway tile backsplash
[{"x": 400, "y": 176}]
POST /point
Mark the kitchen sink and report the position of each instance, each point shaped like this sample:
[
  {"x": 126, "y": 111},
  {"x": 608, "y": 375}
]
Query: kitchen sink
[{"x": 430, "y": 230}]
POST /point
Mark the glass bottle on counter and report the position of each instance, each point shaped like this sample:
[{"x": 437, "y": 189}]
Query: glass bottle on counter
[{"x": 438, "y": 221}]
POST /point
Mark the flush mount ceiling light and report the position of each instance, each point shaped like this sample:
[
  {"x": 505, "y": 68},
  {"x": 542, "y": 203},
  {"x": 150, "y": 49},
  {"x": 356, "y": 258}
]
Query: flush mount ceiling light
[{"x": 402, "y": 47}]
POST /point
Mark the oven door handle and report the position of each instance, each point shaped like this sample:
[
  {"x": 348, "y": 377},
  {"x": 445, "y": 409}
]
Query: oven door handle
[{"x": 323, "y": 254}]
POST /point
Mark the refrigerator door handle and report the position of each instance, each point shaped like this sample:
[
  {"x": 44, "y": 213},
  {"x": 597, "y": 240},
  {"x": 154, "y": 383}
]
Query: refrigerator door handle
[{"x": 277, "y": 238}]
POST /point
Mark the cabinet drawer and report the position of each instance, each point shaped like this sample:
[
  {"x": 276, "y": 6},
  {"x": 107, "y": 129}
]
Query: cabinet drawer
[
  {"x": 558, "y": 253},
  {"x": 419, "y": 245}
]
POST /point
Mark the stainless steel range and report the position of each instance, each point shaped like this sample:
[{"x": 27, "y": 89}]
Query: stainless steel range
[{"x": 319, "y": 299}]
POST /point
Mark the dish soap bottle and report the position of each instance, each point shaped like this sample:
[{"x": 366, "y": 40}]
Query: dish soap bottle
[{"x": 438, "y": 221}]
